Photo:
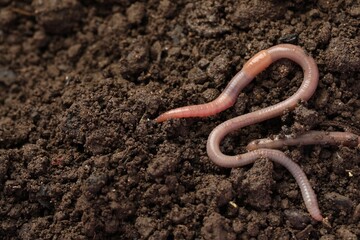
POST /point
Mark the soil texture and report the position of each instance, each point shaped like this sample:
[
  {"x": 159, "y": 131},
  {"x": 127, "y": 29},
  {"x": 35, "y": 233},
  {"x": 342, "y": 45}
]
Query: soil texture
[{"x": 81, "y": 82}]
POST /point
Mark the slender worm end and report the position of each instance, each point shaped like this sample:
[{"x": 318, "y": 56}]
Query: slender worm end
[
  {"x": 160, "y": 119},
  {"x": 318, "y": 217}
]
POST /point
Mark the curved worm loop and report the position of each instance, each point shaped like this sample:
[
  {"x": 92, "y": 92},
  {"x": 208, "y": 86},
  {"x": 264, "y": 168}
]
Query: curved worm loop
[{"x": 228, "y": 97}]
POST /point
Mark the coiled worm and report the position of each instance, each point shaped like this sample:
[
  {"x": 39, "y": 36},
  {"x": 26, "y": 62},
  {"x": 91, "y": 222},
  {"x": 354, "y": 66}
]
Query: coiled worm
[{"x": 260, "y": 149}]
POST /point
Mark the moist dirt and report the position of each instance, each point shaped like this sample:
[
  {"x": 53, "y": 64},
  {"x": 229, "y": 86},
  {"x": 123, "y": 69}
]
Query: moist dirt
[{"x": 81, "y": 82}]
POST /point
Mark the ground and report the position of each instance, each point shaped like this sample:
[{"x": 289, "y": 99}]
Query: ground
[{"x": 81, "y": 82}]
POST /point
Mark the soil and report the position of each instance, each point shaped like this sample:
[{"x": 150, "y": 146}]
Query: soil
[{"x": 81, "y": 82}]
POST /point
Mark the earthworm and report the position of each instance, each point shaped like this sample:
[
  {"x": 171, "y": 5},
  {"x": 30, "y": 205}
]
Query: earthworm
[
  {"x": 228, "y": 97},
  {"x": 309, "y": 138}
]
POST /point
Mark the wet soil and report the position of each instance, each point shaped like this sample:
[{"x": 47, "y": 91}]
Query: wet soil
[{"x": 81, "y": 81}]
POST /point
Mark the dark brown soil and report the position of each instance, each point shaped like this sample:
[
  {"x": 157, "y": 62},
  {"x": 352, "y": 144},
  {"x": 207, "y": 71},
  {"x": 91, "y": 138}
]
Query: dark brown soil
[{"x": 81, "y": 81}]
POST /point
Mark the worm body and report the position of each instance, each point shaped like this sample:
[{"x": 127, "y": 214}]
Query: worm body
[
  {"x": 309, "y": 138},
  {"x": 252, "y": 68},
  {"x": 260, "y": 149}
]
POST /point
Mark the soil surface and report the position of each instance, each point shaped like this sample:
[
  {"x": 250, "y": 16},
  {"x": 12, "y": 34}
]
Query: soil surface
[{"x": 82, "y": 81}]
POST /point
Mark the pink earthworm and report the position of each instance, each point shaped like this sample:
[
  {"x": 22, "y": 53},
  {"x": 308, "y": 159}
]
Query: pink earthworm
[{"x": 228, "y": 97}]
